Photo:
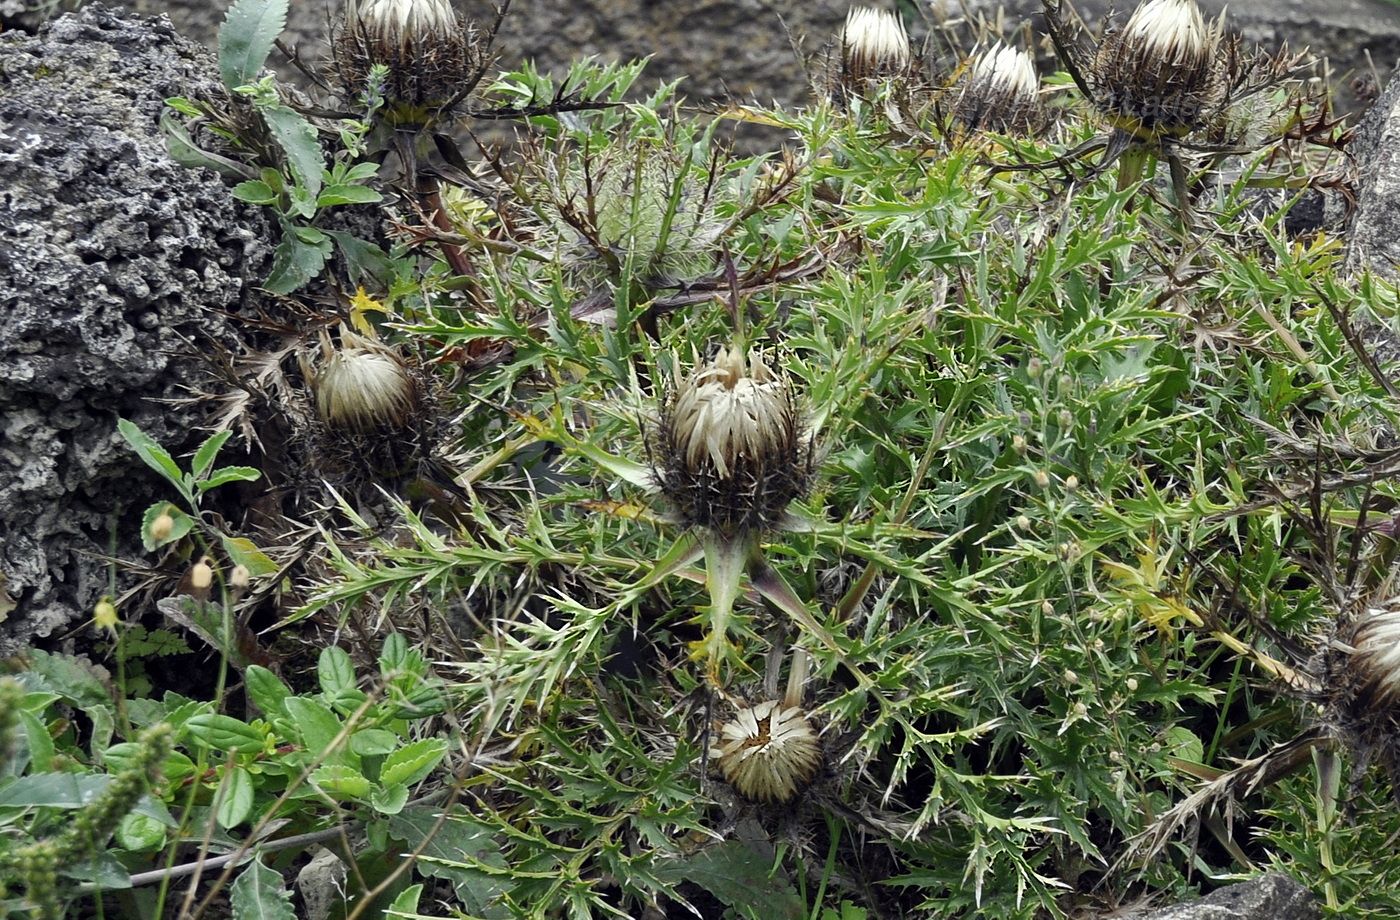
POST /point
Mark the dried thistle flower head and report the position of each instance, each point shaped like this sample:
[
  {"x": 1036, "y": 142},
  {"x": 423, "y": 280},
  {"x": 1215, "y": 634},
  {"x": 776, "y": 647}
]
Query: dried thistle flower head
[
  {"x": 1162, "y": 71},
  {"x": 362, "y": 386},
  {"x": 423, "y": 43},
  {"x": 731, "y": 450},
  {"x": 874, "y": 46},
  {"x": 999, "y": 91},
  {"x": 1375, "y": 663},
  {"x": 769, "y": 752}
]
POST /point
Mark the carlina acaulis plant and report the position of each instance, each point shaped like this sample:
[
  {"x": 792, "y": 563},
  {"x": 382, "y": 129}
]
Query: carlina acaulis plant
[
  {"x": 424, "y": 44},
  {"x": 362, "y": 386},
  {"x": 770, "y": 751},
  {"x": 730, "y": 453},
  {"x": 1161, "y": 73},
  {"x": 998, "y": 91},
  {"x": 874, "y": 47}
]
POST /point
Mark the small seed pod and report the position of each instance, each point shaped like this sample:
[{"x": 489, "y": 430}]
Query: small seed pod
[
  {"x": 770, "y": 752},
  {"x": 999, "y": 92},
  {"x": 874, "y": 46},
  {"x": 363, "y": 386},
  {"x": 1375, "y": 661},
  {"x": 1162, "y": 71},
  {"x": 730, "y": 452},
  {"x": 424, "y": 44}
]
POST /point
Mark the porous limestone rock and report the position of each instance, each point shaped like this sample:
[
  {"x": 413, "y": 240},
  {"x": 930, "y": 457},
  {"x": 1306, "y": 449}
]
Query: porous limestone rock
[
  {"x": 111, "y": 256},
  {"x": 1272, "y": 896}
]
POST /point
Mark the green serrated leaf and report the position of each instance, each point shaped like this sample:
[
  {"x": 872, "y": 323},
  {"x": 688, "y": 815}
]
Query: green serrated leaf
[
  {"x": 140, "y": 833},
  {"x": 246, "y": 38},
  {"x": 389, "y": 800},
  {"x": 298, "y": 140},
  {"x": 333, "y": 195},
  {"x": 255, "y": 191},
  {"x": 208, "y": 452},
  {"x": 372, "y": 742},
  {"x": 227, "y": 474},
  {"x": 341, "y": 782},
  {"x": 412, "y": 762},
  {"x": 259, "y": 893},
  {"x": 406, "y": 904},
  {"x": 294, "y": 263},
  {"x": 362, "y": 259},
  {"x": 244, "y": 552},
  {"x": 335, "y": 671}
]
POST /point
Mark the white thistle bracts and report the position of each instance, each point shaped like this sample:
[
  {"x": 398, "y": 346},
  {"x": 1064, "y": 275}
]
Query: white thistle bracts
[
  {"x": 1162, "y": 72},
  {"x": 1375, "y": 659},
  {"x": 730, "y": 451},
  {"x": 363, "y": 385},
  {"x": 424, "y": 44},
  {"x": 999, "y": 91},
  {"x": 874, "y": 46},
  {"x": 402, "y": 23},
  {"x": 1169, "y": 33},
  {"x": 771, "y": 751}
]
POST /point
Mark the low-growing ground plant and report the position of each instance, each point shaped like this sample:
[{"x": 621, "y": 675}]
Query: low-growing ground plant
[{"x": 913, "y": 522}]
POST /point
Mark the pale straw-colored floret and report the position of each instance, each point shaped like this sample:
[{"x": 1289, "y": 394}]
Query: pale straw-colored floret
[
  {"x": 729, "y": 409},
  {"x": 362, "y": 385},
  {"x": 395, "y": 21},
  {"x": 1377, "y": 655},
  {"x": 874, "y": 43},
  {"x": 1005, "y": 72},
  {"x": 768, "y": 752},
  {"x": 1169, "y": 33}
]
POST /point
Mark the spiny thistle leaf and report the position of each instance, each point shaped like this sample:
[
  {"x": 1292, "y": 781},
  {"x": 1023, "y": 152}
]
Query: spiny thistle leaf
[{"x": 246, "y": 38}]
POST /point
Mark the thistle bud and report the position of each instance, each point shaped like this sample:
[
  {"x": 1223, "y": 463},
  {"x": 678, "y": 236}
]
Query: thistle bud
[
  {"x": 874, "y": 46},
  {"x": 423, "y": 43},
  {"x": 999, "y": 91},
  {"x": 730, "y": 449},
  {"x": 362, "y": 386},
  {"x": 1161, "y": 71},
  {"x": 1375, "y": 660}
]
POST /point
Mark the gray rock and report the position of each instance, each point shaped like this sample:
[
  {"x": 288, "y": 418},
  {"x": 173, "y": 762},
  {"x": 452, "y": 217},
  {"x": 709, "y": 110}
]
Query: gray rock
[
  {"x": 1374, "y": 240},
  {"x": 110, "y": 253},
  {"x": 1269, "y": 897}
]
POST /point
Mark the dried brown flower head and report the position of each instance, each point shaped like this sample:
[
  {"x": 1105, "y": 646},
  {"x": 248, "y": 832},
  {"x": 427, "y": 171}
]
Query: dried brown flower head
[
  {"x": 999, "y": 91},
  {"x": 730, "y": 452},
  {"x": 1162, "y": 72},
  {"x": 425, "y": 45},
  {"x": 362, "y": 386},
  {"x": 874, "y": 46},
  {"x": 769, "y": 752}
]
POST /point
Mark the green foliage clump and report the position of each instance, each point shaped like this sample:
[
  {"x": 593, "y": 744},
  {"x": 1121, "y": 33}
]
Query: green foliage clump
[{"x": 1094, "y": 455}]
